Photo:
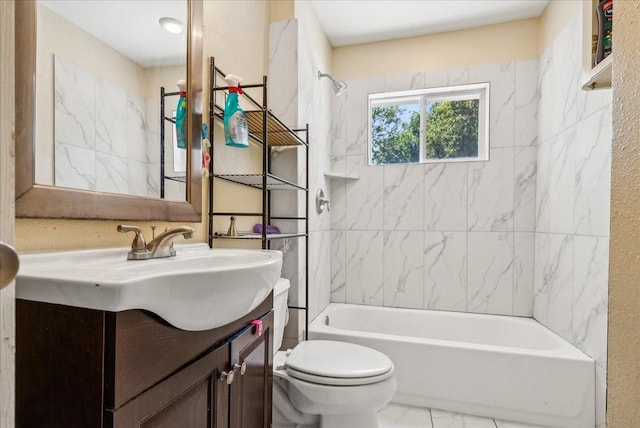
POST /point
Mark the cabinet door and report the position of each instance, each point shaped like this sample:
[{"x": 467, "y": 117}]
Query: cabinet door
[
  {"x": 194, "y": 397},
  {"x": 251, "y": 391}
]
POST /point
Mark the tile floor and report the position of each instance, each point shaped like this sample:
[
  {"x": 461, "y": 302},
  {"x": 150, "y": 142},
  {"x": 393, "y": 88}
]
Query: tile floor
[{"x": 401, "y": 416}]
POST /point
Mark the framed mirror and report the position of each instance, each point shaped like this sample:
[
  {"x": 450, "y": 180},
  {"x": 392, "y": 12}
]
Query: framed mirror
[{"x": 95, "y": 133}]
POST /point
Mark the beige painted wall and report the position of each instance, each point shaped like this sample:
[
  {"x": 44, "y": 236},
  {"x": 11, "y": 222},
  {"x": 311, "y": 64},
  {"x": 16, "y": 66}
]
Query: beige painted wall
[
  {"x": 236, "y": 34},
  {"x": 58, "y": 36},
  {"x": 281, "y": 10},
  {"x": 154, "y": 77},
  {"x": 318, "y": 42},
  {"x": 554, "y": 19},
  {"x": 58, "y": 234},
  {"x": 623, "y": 405},
  {"x": 510, "y": 41}
]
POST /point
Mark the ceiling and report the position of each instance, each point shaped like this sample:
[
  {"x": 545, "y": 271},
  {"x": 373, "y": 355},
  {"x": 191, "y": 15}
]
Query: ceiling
[
  {"x": 349, "y": 22},
  {"x": 130, "y": 27}
]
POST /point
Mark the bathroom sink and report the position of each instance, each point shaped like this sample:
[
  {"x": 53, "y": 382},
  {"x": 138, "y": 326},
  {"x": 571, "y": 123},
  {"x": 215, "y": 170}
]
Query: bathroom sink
[{"x": 199, "y": 289}]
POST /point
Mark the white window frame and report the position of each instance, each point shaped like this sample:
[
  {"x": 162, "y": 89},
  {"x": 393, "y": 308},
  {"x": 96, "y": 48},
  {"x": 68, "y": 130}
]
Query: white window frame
[{"x": 478, "y": 91}]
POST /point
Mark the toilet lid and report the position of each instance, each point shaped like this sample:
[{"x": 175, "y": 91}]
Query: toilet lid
[{"x": 338, "y": 363}]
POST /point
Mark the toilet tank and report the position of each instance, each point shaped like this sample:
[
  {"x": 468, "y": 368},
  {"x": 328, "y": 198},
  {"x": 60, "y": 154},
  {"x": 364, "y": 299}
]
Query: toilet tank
[{"x": 280, "y": 294}]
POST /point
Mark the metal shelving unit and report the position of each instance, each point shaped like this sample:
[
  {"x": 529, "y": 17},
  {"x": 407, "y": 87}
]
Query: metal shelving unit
[
  {"x": 163, "y": 118},
  {"x": 266, "y": 130}
]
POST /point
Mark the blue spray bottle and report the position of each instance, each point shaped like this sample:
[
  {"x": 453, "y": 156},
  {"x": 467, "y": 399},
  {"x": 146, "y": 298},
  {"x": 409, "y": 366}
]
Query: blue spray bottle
[
  {"x": 236, "y": 130},
  {"x": 181, "y": 115}
]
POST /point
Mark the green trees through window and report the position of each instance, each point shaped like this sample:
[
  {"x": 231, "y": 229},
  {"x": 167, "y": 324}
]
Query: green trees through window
[
  {"x": 452, "y": 129},
  {"x": 453, "y": 126},
  {"x": 395, "y": 134}
]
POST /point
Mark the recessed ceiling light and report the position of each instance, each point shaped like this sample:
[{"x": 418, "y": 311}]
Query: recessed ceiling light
[{"x": 172, "y": 25}]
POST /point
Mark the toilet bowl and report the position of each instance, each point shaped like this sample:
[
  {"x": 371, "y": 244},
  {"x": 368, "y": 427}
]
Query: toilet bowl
[{"x": 326, "y": 384}]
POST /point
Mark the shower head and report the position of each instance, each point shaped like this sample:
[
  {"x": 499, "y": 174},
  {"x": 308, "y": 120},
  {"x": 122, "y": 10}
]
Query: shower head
[{"x": 338, "y": 85}]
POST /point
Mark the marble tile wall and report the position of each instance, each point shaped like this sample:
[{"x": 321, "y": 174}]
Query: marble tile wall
[
  {"x": 101, "y": 136},
  {"x": 525, "y": 233},
  {"x": 299, "y": 98},
  {"x": 314, "y": 109},
  {"x": 572, "y": 205},
  {"x": 449, "y": 236}
]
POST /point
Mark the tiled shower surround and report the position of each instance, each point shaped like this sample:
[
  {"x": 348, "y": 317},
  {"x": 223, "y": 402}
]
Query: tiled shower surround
[
  {"x": 298, "y": 97},
  {"x": 572, "y": 205},
  {"x": 525, "y": 233},
  {"x": 450, "y": 236}
]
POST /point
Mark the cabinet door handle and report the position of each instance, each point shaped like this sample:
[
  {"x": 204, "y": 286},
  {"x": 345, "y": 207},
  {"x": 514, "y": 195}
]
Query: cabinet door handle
[
  {"x": 242, "y": 367},
  {"x": 227, "y": 377}
]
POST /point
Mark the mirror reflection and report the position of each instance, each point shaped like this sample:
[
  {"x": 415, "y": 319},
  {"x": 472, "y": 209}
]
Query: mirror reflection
[{"x": 107, "y": 96}]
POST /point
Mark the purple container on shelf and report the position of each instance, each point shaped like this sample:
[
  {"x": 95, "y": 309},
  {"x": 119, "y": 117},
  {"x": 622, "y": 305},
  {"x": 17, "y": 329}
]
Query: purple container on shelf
[{"x": 270, "y": 229}]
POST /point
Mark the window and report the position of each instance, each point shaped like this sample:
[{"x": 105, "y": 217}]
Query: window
[{"x": 429, "y": 125}]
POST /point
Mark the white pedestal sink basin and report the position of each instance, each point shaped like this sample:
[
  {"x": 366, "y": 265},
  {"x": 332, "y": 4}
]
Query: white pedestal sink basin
[{"x": 199, "y": 289}]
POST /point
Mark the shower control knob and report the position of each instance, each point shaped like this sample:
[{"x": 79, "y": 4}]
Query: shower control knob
[
  {"x": 242, "y": 367},
  {"x": 321, "y": 202},
  {"x": 227, "y": 377}
]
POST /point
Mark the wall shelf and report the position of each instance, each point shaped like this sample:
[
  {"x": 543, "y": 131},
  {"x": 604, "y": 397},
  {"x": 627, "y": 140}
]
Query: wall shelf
[
  {"x": 340, "y": 175},
  {"x": 599, "y": 76},
  {"x": 256, "y": 180},
  {"x": 251, "y": 235},
  {"x": 280, "y": 135},
  {"x": 180, "y": 179}
]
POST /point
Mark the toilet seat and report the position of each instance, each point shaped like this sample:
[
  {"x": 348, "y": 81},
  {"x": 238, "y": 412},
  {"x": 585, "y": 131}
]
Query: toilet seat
[
  {"x": 337, "y": 381},
  {"x": 328, "y": 362}
]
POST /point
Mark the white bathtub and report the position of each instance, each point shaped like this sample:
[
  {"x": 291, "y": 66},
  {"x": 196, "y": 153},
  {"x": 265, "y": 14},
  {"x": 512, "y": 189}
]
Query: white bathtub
[{"x": 495, "y": 366}]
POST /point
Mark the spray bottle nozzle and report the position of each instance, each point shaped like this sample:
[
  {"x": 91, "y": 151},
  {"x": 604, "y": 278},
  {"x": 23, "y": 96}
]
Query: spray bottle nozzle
[{"x": 234, "y": 82}]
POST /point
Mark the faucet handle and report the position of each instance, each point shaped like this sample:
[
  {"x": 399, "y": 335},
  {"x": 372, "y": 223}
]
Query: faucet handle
[{"x": 138, "y": 244}]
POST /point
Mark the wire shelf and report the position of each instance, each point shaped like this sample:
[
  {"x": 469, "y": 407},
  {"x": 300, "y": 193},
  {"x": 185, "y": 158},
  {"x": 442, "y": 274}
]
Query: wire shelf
[
  {"x": 250, "y": 235},
  {"x": 255, "y": 180}
]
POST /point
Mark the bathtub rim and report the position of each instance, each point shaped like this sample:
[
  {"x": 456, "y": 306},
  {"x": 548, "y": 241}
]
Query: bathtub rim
[{"x": 566, "y": 351}]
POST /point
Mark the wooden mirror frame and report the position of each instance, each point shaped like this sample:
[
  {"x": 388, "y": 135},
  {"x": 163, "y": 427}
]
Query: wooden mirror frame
[{"x": 46, "y": 201}]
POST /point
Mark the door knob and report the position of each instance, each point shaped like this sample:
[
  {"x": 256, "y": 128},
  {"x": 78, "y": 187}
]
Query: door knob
[
  {"x": 9, "y": 264},
  {"x": 242, "y": 367},
  {"x": 227, "y": 377}
]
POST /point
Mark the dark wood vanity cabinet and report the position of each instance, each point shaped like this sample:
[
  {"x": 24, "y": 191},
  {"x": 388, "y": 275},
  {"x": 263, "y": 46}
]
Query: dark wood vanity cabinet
[
  {"x": 193, "y": 397},
  {"x": 86, "y": 368},
  {"x": 251, "y": 392}
]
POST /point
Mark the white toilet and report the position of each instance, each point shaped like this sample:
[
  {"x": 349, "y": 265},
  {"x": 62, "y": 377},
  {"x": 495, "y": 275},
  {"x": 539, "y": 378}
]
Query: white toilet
[{"x": 326, "y": 384}]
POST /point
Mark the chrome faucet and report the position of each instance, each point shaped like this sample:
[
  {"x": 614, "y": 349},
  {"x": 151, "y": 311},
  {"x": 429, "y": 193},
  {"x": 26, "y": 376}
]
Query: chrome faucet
[{"x": 160, "y": 246}]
